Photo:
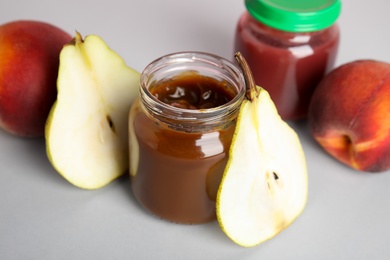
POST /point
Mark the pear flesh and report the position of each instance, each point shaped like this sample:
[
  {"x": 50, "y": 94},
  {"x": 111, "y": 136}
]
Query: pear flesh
[
  {"x": 86, "y": 131},
  {"x": 264, "y": 187}
]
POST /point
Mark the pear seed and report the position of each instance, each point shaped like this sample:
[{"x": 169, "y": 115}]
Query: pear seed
[{"x": 110, "y": 123}]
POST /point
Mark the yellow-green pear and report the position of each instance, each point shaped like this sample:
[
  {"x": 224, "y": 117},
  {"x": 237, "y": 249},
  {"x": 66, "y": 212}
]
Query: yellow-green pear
[
  {"x": 87, "y": 128},
  {"x": 264, "y": 187}
]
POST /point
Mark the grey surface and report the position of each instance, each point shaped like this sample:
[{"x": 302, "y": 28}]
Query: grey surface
[{"x": 42, "y": 216}]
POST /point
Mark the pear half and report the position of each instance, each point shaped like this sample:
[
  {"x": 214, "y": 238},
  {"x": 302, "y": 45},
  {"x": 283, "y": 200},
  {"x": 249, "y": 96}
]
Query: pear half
[
  {"x": 264, "y": 187},
  {"x": 86, "y": 131}
]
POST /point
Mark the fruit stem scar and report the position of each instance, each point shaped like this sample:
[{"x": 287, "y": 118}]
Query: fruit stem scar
[{"x": 251, "y": 90}]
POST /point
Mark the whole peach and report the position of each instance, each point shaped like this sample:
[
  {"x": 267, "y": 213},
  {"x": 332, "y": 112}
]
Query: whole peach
[
  {"x": 349, "y": 114},
  {"x": 29, "y": 60}
]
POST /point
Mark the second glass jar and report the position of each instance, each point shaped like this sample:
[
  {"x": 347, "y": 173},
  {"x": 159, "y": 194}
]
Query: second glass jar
[
  {"x": 180, "y": 132},
  {"x": 290, "y": 46}
]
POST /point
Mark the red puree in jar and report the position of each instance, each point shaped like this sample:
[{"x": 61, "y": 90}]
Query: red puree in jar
[
  {"x": 180, "y": 159},
  {"x": 289, "y": 46}
]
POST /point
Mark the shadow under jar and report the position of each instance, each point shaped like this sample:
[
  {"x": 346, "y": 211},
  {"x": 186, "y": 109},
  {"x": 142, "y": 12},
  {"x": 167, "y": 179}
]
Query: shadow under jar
[{"x": 180, "y": 131}]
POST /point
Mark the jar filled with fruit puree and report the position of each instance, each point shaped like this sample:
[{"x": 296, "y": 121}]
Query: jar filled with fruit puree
[
  {"x": 180, "y": 131},
  {"x": 290, "y": 46}
]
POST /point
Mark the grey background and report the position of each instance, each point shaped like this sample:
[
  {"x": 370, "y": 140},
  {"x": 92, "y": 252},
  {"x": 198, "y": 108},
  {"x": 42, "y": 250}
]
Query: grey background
[{"x": 42, "y": 216}]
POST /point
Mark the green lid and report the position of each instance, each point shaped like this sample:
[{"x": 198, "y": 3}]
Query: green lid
[{"x": 295, "y": 15}]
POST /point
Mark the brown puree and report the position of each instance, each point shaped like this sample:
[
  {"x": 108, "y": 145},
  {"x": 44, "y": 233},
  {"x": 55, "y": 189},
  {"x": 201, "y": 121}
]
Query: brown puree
[
  {"x": 179, "y": 172},
  {"x": 193, "y": 91}
]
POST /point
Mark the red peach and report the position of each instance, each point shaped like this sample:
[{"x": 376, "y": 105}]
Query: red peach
[
  {"x": 349, "y": 115},
  {"x": 29, "y": 62}
]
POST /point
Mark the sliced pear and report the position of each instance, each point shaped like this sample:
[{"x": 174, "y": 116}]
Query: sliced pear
[
  {"x": 87, "y": 128},
  {"x": 264, "y": 187}
]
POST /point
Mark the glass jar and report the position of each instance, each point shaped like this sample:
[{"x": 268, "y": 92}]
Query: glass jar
[
  {"x": 180, "y": 130},
  {"x": 290, "y": 46}
]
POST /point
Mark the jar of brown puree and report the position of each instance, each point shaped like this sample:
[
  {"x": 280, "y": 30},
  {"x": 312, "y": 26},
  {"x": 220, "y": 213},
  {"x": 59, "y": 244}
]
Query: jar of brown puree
[{"x": 180, "y": 131}]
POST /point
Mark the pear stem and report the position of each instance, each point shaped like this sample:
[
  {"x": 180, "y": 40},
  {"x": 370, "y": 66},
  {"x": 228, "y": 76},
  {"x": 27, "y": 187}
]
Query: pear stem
[{"x": 251, "y": 90}]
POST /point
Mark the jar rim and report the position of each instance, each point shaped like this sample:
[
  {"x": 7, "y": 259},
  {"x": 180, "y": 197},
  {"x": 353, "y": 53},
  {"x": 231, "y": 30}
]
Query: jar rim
[{"x": 194, "y": 59}]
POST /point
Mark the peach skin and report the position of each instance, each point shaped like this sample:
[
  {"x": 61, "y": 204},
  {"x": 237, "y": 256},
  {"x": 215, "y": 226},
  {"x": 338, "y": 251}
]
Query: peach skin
[
  {"x": 29, "y": 52},
  {"x": 349, "y": 115}
]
